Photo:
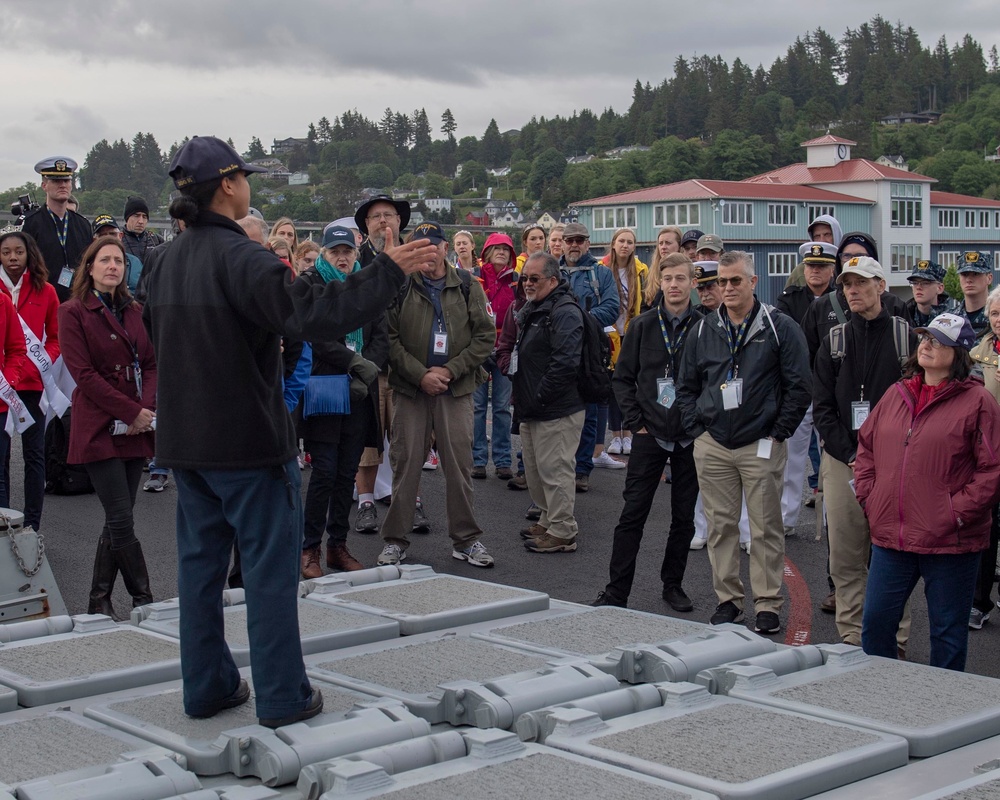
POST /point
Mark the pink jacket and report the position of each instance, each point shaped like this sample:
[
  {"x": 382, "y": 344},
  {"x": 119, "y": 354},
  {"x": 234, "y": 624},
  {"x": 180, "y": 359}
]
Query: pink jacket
[
  {"x": 499, "y": 286},
  {"x": 928, "y": 481}
]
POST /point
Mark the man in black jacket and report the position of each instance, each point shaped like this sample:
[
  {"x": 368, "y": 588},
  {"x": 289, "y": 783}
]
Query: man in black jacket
[
  {"x": 137, "y": 240},
  {"x": 62, "y": 234},
  {"x": 856, "y": 364},
  {"x": 645, "y": 387},
  {"x": 543, "y": 367},
  {"x": 743, "y": 389}
]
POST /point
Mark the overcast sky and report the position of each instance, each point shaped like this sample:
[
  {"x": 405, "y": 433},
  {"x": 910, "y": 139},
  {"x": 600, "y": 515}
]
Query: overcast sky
[{"x": 78, "y": 72}]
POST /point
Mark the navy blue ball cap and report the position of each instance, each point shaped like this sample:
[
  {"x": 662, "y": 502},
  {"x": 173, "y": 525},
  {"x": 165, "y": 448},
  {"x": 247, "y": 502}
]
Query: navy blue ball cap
[
  {"x": 337, "y": 234},
  {"x": 205, "y": 158}
]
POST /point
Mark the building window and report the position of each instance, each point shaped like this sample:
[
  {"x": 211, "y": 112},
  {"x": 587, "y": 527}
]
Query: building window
[
  {"x": 947, "y": 258},
  {"x": 609, "y": 219},
  {"x": 677, "y": 214},
  {"x": 819, "y": 211},
  {"x": 984, "y": 219},
  {"x": 905, "y": 256},
  {"x": 737, "y": 214},
  {"x": 907, "y": 205},
  {"x": 780, "y": 213},
  {"x": 781, "y": 264},
  {"x": 947, "y": 217},
  {"x": 996, "y": 219},
  {"x": 970, "y": 219}
]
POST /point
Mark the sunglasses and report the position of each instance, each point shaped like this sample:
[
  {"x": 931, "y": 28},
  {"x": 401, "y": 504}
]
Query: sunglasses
[
  {"x": 575, "y": 239},
  {"x": 734, "y": 282},
  {"x": 533, "y": 278}
]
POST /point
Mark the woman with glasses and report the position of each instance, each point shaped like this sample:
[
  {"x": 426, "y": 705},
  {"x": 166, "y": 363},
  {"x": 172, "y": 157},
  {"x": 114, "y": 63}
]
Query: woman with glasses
[{"x": 927, "y": 474}]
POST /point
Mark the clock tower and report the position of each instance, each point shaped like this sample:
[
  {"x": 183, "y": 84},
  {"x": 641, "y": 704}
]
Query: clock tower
[{"x": 827, "y": 151}]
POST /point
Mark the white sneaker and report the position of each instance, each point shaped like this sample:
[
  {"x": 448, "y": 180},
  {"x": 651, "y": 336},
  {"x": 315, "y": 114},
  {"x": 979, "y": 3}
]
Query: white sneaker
[
  {"x": 615, "y": 447},
  {"x": 627, "y": 445},
  {"x": 697, "y": 543},
  {"x": 391, "y": 554},
  {"x": 607, "y": 462}
]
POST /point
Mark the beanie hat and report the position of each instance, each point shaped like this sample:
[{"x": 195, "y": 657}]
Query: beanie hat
[{"x": 135, "y": 205}]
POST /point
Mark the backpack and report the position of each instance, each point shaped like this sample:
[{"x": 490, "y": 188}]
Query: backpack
[
  {"x": 900, "y": 338},
  {"x": 594, "y": 379},
  {"x": 60, "y": 477}
]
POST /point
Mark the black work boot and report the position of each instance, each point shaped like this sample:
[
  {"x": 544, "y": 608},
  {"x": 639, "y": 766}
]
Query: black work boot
[
  {"x": 105, "y": 572},
  {"x": 133, "y": 568}
]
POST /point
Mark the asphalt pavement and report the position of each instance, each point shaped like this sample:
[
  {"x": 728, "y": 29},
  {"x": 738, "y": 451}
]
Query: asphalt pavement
[{"x": 71, "y": 526}]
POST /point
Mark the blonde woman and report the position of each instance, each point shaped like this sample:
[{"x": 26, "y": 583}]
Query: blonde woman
[{"x": 668, "y": 241}]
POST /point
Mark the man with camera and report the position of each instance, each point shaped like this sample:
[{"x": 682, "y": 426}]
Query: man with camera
[{"x": 62, "y": 234}]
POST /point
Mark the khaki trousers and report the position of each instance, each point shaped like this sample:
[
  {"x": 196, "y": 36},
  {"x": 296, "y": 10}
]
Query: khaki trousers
[
  {"x": 724, "y": 476},
  {"x": 850, "y": 550},
  {"x": 414, "y": 419},
  {"x": 549, "y": 452}
]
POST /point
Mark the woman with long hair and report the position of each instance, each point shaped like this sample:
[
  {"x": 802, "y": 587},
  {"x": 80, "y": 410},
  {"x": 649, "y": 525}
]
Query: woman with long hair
[
  {"x": 556, "y": 241},
  {"x": 631, "y": 275},
  {"x": 464, "y": 246},
  {"x": 25, "y": 280},
  {"x": 532, "y": 241},
  {"x": 107, "y": 351},
  {"x": 305, "y": 255},
  {"x": 668, "y": 241},
  {"x": 284, "y": 228}
]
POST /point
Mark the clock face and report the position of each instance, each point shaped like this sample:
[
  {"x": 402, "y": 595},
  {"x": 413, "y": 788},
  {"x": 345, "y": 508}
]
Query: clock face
[{"x": 842, "y": 151}]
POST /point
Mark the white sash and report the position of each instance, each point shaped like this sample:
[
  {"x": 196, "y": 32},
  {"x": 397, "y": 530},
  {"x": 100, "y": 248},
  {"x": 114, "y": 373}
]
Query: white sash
[
  {"x": 18, "y": 418},
  {"x": 53, "y": 397}
]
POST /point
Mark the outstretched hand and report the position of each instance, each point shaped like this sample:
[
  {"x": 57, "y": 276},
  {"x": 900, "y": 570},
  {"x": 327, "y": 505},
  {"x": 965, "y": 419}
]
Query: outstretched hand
[{"x": 413, "y": 256}]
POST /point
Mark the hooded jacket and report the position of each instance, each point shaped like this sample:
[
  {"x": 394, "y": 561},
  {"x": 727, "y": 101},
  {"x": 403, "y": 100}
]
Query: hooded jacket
[
  {"x": 773, "y": 364},
  {"x": 928, "y": 481},
  {"x": 499, "y": 285},
  {"x": 870, "y": 361},
  {"x": 798, "y": 276}
]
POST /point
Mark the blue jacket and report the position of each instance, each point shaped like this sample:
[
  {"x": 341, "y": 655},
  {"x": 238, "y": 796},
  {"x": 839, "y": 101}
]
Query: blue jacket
[{"x": 601, "y": 301}]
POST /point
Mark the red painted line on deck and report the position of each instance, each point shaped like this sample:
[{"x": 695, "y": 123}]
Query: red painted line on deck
[{"x": 799, "y": 625}]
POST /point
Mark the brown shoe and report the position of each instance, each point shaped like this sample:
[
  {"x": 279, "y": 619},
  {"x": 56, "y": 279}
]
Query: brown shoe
[
  {"x": 505, "y": 473},
  {"x": 518, "y": 483},
  {"x": 582, "y": 483},
  {"x": 310, "y": 563},
  {"x": 338, "y": 557},
  {"x": 829, "y": 605},
  {"x": 479, "y": 473},
  {"x": 533, "y": 531},
  {"x": 546, "y": 543}
]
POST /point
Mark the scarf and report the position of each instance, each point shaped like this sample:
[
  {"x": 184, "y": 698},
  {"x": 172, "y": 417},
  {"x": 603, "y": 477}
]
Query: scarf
[{"x": 329, "y": 273}]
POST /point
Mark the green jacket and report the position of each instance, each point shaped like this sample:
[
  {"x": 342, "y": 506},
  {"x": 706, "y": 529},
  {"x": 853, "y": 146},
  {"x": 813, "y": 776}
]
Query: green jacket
[{"x": 471, "y": 332}]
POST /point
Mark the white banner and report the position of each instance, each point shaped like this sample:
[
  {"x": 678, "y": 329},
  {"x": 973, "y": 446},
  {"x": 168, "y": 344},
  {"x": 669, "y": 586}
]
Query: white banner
[
  {"x": 52, "y": 398},
  {"x": 18, "y": 418}
]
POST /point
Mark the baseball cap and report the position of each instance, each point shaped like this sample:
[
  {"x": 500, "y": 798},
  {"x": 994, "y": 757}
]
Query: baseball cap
[
  {"x": 205, "y": 158},
  {"x": 709, "y": 242},
  {"x": 430, "y": 231},
  {"x": 706, "y": 272},
  {"x": 864, "y": 266},
  {"x": 104, "y": 221},
  {"x": 950, "y": 330},
  {"x": 337, "y": 234},
  {"x": 976, "y": 261},
  {"x": 927, "y": 271},
  {"x": 692, "y": 235}
]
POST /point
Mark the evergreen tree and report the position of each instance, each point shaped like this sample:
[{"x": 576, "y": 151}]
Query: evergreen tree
[
  {"x": 255, "y": 150},
  {"x": 493, "y": 149},
  {"x": 324, "y": 133},
  {"x": 448, "y": 124}
]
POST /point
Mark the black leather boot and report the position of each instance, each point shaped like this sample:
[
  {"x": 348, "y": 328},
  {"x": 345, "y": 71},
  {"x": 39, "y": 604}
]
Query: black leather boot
[
  {"x": 133, "y": 568},
  {"x": 105, "y": 572}
]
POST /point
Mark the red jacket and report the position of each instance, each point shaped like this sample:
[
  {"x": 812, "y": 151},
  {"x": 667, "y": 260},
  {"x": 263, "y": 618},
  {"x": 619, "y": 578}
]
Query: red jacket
[
  {"x": 499, "y": 287},
  {"x": 928, "y": 481},
  {"x": 13, "y": 362},
  {"x": 98, "y": 351},
  {"x": 40, "y": 310}
]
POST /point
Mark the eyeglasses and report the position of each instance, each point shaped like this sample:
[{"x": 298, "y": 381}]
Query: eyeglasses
[
  {"x": 574, "y": 239},
  {"x": 533, "y": 278},
  {"x": 934, "y": 343},
  {"x": 734, "y": 282},
  {"x": 386, "y": 215},
  {"x": 849, "y": 256}
]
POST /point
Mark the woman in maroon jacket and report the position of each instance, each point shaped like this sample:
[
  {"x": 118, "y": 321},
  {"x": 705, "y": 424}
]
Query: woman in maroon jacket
[
  {"x": 106, "y": 350},
  {"x": 25, "y": 279},
  {"x": 927, "y": 474}
]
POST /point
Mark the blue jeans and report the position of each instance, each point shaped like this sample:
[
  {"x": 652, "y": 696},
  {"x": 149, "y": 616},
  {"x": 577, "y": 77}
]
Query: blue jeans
[
  {"x": 501, "y": 419},
  {"x": 262, "y": 510},
  {"x": 949, "y": 583},
  {"x": 33, "y": 450},
  {"x": 155, "y": 470},
  {"x": 593, "y": 428}
]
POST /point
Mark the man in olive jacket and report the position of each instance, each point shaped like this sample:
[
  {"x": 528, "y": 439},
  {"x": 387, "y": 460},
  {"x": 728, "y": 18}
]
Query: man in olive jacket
[{"x": 440, "y": 333}]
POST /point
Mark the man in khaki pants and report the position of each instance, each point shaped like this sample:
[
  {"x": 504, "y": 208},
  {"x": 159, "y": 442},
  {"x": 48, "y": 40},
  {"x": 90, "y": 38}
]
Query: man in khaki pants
[
  {"x": 856, "y": 364},
  {"x": 744, "y": 386}
]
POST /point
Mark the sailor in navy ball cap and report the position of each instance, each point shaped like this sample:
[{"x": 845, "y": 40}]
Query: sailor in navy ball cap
[
  {"x": 62, "y": 234},
  {"x": 205, "y": 158},
  {"x": 975, "y": 275},
  {"x": 929, "y": 297}
]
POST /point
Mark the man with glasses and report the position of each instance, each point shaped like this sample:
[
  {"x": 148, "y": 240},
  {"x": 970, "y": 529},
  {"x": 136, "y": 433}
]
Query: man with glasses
[
  {"x": 62, "y": 234},
  {"x": 975, "y": 273},
  {"x": 743, "y": 388},
  {"x": 929, "y": 297},
  {"x": 857, "y": 363}
]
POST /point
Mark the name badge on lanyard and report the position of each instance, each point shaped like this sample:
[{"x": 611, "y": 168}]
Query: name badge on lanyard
[
  {"x": 666, "y": 392},
  {"x": 441, "y": 343}
]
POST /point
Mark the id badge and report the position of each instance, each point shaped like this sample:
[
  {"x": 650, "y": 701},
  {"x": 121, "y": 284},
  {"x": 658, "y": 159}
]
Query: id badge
[
  {"x": 66, "y": 277},
  {"x": 512, "y": 367},
  {"x": 440, "y": 344},
  {"x": 732, "y": 394},
  {"x": 666, "y": 392},
  {"x": 860, "y": 409},
  {"x": 764, "y": 448}
]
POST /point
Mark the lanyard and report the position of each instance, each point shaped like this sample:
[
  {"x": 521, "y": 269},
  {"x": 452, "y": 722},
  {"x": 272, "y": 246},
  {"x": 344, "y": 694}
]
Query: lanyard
[
  {"x": 735, "y": 337},
  {"x": 62, "y": 228},
  {"x": 867, "y": 364},
  {"x": 673, "y": 347}
]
